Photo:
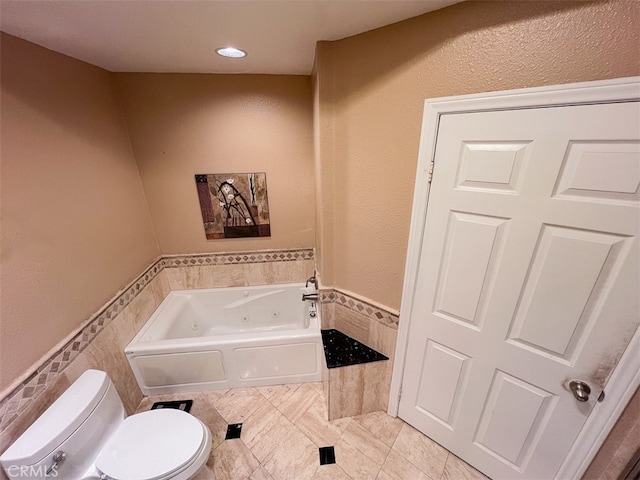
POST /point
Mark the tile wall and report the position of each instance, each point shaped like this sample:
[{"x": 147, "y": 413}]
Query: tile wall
[
  {"x": 101, "y": 341},
  {"x": 372, "y": 325}
]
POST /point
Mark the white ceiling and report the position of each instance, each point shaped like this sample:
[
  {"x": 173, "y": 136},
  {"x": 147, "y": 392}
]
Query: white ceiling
[{"x": 182, "y": 35}]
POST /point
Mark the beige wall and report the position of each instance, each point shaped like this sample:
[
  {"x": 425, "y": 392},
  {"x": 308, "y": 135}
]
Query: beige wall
[
  {"x": 371, "y": 90},
  {"x": 182, "y": 125},
  {"x": 75, "y": 227}
]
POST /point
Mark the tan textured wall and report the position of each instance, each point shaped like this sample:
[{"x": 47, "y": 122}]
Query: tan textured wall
[
  {"x": 182, "y": 125},
  {"x": 372, "y": 87},
  {"x": 75, "y": 227}
]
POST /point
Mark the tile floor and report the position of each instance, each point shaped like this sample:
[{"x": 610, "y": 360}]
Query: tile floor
[{"x": 284, "y": 427}]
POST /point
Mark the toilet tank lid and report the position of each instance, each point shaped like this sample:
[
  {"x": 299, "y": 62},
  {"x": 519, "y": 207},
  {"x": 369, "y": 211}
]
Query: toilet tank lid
[{"x": 59, "y": 421}]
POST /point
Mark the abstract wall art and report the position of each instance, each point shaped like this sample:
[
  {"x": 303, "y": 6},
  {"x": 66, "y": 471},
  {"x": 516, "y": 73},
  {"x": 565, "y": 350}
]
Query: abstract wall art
[{"x": 234, "y": 205}]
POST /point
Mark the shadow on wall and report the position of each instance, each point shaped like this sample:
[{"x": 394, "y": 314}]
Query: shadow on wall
[{"x": 541, "y": 25}]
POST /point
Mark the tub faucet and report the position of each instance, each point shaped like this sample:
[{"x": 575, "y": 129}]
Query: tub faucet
[
  {"x": 310, "y": 296},
  {"x": 312, "y": 280}
]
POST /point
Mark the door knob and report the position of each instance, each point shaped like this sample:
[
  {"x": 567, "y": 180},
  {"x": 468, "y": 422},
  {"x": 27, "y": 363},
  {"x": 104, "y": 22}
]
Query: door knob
[{"x": 580, "y": 390}]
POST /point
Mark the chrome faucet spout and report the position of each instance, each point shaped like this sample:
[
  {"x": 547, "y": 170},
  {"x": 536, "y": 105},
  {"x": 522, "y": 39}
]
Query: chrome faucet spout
[
  {"x": 310, "y": 296},
  {"x": 313, "y": 281}
]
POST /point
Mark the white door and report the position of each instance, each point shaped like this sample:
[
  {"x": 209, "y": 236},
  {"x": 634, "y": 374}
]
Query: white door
[{"x": 528, "y": 278}]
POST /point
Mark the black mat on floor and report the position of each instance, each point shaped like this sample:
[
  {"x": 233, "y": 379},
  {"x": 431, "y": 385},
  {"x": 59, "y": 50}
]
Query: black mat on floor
[{"x": 184, "y": 405}]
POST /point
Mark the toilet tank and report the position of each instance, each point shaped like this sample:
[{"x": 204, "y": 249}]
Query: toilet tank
[{"x": 78, "y": 423}]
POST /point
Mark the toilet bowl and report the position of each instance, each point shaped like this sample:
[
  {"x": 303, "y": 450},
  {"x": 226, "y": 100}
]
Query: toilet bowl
[{"x": 84, "y": 435}]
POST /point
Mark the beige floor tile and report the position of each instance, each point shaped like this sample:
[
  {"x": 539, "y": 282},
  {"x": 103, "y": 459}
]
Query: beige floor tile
[
  {"x": 238, "y": 403},
  {"x": 296, "y": 404},
  {"x": 205, "y": 474},
  {"x": 331, "y": 472},
  {"x": 315, "y": 424},
  {"x": 381, "y": 425},
  {"x": 265, "y": 428},
  {"x": 276, "y": 394},
  {"x": 284, "y": 425},
  {"x": 211, "y": 460},
  {"x": 213, "y": 394},
  {"x": 260, "y": 474},
  {"x": 360, "y": 438},
  {"x": 420, "y": 450},
  {"x": 204, "y": 410},
  {"x": 396, "y": 467},
  {"x": 383, "y": 475},
  {"x": 456, "y": 469},
  {"x": 294, "y": 458},
  {"x": 232, "y": 460},
  {"x": 354, "y": 463},
  {"x": 317, "y": 386}
]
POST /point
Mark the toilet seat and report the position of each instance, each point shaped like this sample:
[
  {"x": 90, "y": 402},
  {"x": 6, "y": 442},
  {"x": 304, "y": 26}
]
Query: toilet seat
[{"x": 153, "y": 445}]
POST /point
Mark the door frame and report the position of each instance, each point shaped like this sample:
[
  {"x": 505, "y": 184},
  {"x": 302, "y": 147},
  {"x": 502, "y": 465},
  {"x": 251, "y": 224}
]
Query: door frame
[{"x": 625, "y": 378}]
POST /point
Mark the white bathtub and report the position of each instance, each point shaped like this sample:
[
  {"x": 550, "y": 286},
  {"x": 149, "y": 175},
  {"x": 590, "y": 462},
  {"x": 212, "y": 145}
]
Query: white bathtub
[{"x": 228, "y": 337}]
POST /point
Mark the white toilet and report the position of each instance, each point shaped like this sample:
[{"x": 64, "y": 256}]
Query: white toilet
[{"x": 84, "y": 435}]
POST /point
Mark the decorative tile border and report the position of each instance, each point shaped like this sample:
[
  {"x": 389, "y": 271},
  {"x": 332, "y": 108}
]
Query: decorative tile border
[
  {"x": 238, "y": 258},
  {"x": 21, "y": 397},
  {"x": 12, "y": 405},
  {"x": 359, "y": 306}
]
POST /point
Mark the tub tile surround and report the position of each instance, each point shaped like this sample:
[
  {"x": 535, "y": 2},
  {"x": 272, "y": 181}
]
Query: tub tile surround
[
  {"x": 354, "y": 376},
  {"x": 375, "y": 313},
  {"x": 100, "y": 342},
  {"x": 372, "y": 325},
  {"x": 356, "y": 389},
  {"x": 281, "y": 443}
]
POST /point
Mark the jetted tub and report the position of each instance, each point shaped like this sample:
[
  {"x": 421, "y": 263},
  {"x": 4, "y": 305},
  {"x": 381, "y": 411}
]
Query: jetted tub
[{"x": 228, "y": 337}]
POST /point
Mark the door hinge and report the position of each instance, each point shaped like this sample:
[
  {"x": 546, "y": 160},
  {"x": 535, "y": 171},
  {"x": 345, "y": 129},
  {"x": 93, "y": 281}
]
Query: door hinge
[
  {"x": 430, "y": 172},
  {"x": 399, "y": 393}
]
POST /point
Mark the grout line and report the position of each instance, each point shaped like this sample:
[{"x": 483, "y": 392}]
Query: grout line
[
  {"x": 444, "y": 467},
  {"x": 385, "y": 461},
  {"x": 409, "y": 461}
]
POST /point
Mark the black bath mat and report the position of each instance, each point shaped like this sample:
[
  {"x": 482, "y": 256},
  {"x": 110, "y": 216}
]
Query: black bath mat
[
  {"x": 184, "y": 405},
  {"x": 233, "y": 431},
  {"x": 327, "y": 455}
]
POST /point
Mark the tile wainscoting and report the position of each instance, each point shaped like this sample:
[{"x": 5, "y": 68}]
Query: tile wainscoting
[
  {"x": 375, "y": 326},
  {"x": 101, "y": 340}
]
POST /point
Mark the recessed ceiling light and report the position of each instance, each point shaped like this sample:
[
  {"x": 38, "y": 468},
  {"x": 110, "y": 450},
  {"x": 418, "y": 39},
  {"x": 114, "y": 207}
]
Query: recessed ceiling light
[{"x": 231, "y": 52}]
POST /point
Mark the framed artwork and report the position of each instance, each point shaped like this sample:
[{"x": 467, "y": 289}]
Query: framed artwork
[{"x": 234, "y": 205}]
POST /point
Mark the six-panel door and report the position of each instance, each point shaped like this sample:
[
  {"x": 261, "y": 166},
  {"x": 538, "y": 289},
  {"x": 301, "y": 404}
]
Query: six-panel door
[{"x": 528, "y": 279}]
